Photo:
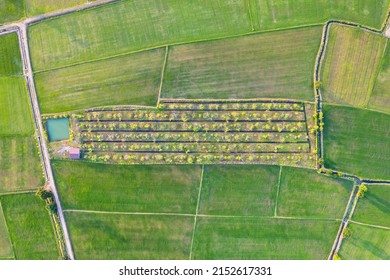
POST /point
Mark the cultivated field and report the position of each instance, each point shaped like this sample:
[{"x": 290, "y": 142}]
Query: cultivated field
[
  {"x": 256, "y": 238},
  {"x": 239, "y": 190},
  {"x": 187, "y": 132},
  {"x": 380, "y": 97},
  {"x": 105, "y": 236},
  {"x": 101, "y": 187},
  {"x": 6, "y": 251},
  {"x": 366, "y": 243},
  {"x": 130, "y": 79},
  {"x": 374, "y": 208},
  {"x": 304, "y": 193},
  {"x": 30, "y": 228},
  {"x": 134, "y": 25},
  {"x": 11, "y": 10},
  {"x": 351, "y": 65},
  {"x": 10, "y": 55},
  {"x": 36, "y": 7},
  {"x": 271, "y": 14},
  {"x": 356, "y": 141},
  {"x": 269, "y": 65}
]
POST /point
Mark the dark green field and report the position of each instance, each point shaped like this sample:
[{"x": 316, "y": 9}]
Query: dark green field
[
  {"x": 6, "y": 250},
  {"x": 30, "y": 228},
  {"x": 366, "y": 243},
  {"x": 11, "y": 63},
  {"x": 256, "y": 238},
  {"x": 104, "y": 236},
  {"x": 304, "y": 193},
  {"x": 140, "y": 188},
  {"x": 374, "y": 208},
  {"x": 239, "y": 190},
  {"x": 356, "y": 141}
]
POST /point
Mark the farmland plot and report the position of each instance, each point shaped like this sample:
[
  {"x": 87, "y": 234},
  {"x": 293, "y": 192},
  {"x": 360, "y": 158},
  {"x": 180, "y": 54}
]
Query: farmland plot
[
  {"x": 11, "y": 10},
  {"x": 131, "y": 79},
  {"x": 192, "y": 132},
  {"x": 351, "y": 65},
  {"x": 356, "y": 141},
  {"x": 9, "y": 55},
  {"x": 266, "y": 65},
  {"x": 6, "y": 251},
  {"x": 36, "y": 7}
]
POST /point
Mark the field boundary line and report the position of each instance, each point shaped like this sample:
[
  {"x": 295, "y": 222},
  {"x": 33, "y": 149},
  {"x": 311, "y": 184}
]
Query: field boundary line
[
  {"x": 369, "y": 225},
  {"x": 28, "y": 191},
  {"x": 196, "y": 212},
  {"x": 277, "y": 192},
  {"x": 232, "y": 100},
  {"x": 360, "y": 108},
  {"x": 162, "y": 74},
  {"x": 250, "y": 14},
  {"x": 126, "y": 213},
  {"x": 8, "y": 232}
]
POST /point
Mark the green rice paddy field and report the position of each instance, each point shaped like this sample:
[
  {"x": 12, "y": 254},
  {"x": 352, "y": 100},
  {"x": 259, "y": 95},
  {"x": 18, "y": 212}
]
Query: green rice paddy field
[
  {"x": 29, "y": 226},
  {"x": 356, "y": 141},
  {"x": 351, "y": 65},
  {"x": 132, "y": 25},
  {"x": 6, "y": 250},
  {"x": 219, "y": 201}
]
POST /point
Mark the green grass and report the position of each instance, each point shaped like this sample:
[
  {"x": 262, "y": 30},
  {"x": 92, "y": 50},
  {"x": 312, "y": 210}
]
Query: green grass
[
  {"x": 30, "y": 228},
  {"x": 15, "y": 112},
  {"x": 10, "y": 60},
  {"x": 239, "y": 190},
  {"x": 351, "y": 64},
  {"x": 20, "y": 165},
  {"x": 256, "y": 238},
  {"x": 131, "y": 79},
  {"x": 127, "y": 26},
  {"x": 98, "y": 236},
  {"x": 261, "y": 65},
  {"x": 374, "y": 208},
  {"x": 36, "y": 7},
  {"x": 142, "y": 188},
  {"x": 356, "y": 141},
  {"x": 380, "y": 97},
  {"x": 366, "y": 243},
  {"x": 268, "y": 14},
  {"x": 6, "y": 251},
  {"x": 304, "y": 193},
  {"x": 11, "y": 10}
]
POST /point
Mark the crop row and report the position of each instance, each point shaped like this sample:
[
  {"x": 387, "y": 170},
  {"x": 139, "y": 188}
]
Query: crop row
[
  {"x": 298, "y": 159},
  {"x": 189, "y": 115},
  {"x": 124, "y": 126},
  {"x": 197, "y": 147},
  {"x": 222, "y": 106},
  {"x": 197, "y": 137}
]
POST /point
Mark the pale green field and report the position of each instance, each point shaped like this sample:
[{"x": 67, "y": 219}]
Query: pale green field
[
  {"x": 36, "y": 7},
  {"x": 131, "y": 79},
  {"x": 374, "y": 208},
  {"x": 132, "y": 237},
  {"x": 380, "y": 97},
  {"x": 262, "y": 65},
  {"x": 239, "y": 190},
  {"x": 366, "y": 243},
  {"x": 30, "y": 227},
  {"x": 11, "y": 10},
  {"x": 351, "y": 65},
  {"x": 256, "y": 238},
  {"x": 305, "y": 193},
  {"x": 6, "y": 251}
]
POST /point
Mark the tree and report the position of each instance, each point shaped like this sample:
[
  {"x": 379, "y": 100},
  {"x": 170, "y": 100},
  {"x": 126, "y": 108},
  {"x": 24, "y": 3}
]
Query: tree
[{"x": 362, "y": 190}]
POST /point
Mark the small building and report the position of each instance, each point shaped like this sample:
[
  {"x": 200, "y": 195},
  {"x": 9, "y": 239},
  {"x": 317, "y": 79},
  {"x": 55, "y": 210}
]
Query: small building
[{"x": 74, "y": 153}]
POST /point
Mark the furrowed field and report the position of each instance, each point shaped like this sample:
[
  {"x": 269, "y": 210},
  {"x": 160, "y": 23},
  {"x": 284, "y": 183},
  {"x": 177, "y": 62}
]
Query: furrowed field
[
  {"x": 356, "y": 141},
  {"x": 131, "y": 79},
  {"x": 380, "y": 97},
  {"x": 236, "y": 202},
  {"x": 135, "y": 24},
  {"x": 351, "y": 65},
  {"x": 19, "y": 159},
  {"x": 264, "y": 65},
  {"x": 30, "y": 228},
  {"x": 366, "y": 243}
]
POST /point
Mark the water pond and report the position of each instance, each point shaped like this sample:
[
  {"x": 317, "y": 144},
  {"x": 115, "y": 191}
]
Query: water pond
[{"x": 58, "y": 129}]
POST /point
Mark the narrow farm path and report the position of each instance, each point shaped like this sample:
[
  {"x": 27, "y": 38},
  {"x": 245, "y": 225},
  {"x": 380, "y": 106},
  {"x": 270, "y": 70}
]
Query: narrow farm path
[
  {"x": 351, "y": 205},
  {"x": 369, "y": 225}
]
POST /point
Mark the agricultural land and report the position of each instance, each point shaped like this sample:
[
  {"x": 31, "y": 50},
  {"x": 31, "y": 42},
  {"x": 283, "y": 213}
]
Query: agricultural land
[{"x": 195, "y": 129}]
